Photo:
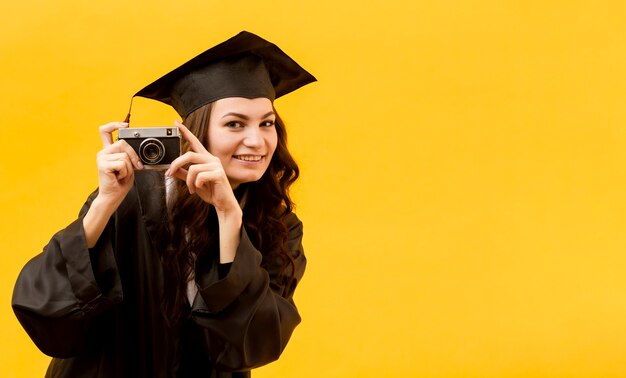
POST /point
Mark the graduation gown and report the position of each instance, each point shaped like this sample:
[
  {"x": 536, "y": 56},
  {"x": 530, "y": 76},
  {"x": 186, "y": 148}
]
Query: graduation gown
[{"x": 97, "y": 311}]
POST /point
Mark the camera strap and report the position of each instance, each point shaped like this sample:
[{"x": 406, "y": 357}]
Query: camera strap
[{"x": 127, "y": 119}]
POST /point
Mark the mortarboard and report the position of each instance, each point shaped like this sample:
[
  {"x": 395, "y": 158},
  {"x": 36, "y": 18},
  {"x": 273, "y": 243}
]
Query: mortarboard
[{"x": 245, "y": 65}]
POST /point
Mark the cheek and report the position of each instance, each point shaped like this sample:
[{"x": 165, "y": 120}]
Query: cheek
[
  {"x": 272, "y": 142},
  {"x": 219, "y": 145}
]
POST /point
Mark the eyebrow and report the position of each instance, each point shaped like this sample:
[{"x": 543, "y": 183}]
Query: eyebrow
[{"x": 245, "y": 117}]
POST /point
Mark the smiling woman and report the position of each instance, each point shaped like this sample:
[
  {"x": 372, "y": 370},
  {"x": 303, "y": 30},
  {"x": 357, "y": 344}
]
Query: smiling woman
[{"x": 188, "y": 272}]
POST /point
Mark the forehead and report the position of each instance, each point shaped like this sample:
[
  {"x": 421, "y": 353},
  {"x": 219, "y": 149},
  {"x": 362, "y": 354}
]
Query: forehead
[{"x": 241, "y": 105}]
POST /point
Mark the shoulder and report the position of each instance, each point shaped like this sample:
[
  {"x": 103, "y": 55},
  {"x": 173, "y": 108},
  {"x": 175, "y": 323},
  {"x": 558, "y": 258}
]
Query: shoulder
[
  {"x": 290, "y": 218},
  {"x": 292, "y": 223},
  {"x": 295, "y": 234}
]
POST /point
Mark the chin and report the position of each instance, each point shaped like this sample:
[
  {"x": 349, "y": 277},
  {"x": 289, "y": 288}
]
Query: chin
[{"x": 246, "y": 179}]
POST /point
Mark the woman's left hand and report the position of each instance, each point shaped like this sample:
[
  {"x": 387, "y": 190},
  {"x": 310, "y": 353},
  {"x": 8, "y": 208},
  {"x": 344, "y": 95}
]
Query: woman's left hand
[{"x": 205, "y": 175}]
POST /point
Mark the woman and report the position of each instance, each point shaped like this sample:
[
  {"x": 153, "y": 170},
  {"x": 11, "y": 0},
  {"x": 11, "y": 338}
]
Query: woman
[{"x": 188, "y": 272}]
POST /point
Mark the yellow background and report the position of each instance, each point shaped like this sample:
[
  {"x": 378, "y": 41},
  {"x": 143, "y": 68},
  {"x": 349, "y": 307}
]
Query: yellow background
[{"x": 463, "y": 170}]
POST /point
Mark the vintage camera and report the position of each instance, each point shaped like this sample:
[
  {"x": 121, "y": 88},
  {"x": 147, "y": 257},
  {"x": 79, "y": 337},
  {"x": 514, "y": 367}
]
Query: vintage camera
[{"x": 157, "y": 147}]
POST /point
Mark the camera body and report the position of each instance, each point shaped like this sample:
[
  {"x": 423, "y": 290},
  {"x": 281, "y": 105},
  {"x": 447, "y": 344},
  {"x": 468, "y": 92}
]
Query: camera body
[{"x": 156, "y": 147}]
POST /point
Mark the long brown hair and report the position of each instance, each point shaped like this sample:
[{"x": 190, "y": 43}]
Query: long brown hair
[{"x": 192, "y": 223}]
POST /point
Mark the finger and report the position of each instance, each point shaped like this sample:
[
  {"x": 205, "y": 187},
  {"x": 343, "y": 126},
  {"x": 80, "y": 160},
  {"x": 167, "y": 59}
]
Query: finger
[
  {"x": 117, "y": 164},
  {"x": 188, "y": 157},
  {"x": 209, "y": 171},
  {"x": 121, "y": 146},
  {"x": 127, "y": 172},
  {"x": 180, "y": 174},
  {"x": 132, "y": 154},
  {"x": 203, "y": 179},
  {"x": 117, "y": 156},
  {"x": 177, "y": 164},
  {"x": 118, "y": 168},
  {"x": 194, "y": 143},
  {"x": 107, "y": 130},
  {"x": 192, "y": 172}
]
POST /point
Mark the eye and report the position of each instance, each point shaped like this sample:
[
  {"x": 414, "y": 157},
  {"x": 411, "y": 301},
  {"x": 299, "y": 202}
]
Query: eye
[
  {"x": 234, "y": 125},
  {"x": 268, "y": 123}
]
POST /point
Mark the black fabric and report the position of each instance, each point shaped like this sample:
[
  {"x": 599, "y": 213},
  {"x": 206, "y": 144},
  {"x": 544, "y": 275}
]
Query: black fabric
[
  {"x": 97, "y": 312},
  {"x": 245, "y": 65}
]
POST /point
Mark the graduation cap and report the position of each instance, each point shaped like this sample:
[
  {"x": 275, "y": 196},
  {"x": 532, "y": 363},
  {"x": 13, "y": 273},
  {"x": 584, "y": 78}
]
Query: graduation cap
[{"x": 245, "y": 65}]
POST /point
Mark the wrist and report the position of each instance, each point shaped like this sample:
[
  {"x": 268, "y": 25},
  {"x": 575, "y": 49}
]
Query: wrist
[
  {"x": 233, "y": 216},
  {"x": 96, "y": 219},
  {"x": 105, "y": 205},
  {"x": 230, "y": 231}
]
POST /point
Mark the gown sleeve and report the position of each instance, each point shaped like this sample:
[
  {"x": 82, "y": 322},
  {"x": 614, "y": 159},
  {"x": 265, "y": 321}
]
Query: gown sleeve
[
  {"x": 60, "y": 291},
  {"x": 247, "y": 316}
]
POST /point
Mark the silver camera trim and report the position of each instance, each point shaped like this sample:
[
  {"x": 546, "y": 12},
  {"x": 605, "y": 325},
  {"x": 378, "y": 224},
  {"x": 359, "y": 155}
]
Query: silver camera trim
[{"x": 148, "y": 132}]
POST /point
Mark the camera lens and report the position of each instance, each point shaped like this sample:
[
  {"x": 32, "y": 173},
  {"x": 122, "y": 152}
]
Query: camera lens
[{"x": 151, "y": 151}]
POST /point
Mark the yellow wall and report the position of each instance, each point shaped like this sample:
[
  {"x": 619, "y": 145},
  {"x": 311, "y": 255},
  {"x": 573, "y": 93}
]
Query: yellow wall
[{"x": 463, "y": 186}]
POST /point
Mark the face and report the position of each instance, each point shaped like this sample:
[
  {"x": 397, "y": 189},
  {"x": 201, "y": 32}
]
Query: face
[{"x": 242, "y": 134}]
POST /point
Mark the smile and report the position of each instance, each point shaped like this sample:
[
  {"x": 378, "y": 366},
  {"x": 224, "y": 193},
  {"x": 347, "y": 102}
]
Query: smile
[{"x": 248, "y": 157}]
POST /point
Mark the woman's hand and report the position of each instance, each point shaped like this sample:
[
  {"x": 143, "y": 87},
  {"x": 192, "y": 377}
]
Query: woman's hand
[
  {"x": 204, "y": 176},
  {"x": 115, "y": 178},
  {"x": 116, "y": 164}
]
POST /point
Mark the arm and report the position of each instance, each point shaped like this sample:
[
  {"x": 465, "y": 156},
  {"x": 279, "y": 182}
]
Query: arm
[
  {"x": 248, "y": 316},
  {"x": 62, "y": 289},
  {"x": 205, "y": 177},
  {"x": 75, "y": 277}
]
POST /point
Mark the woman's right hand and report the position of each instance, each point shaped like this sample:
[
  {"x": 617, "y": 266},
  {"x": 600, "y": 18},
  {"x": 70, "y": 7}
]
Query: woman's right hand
[
  {"x": 116, "y": 164},
  {"x": 115, "y": 178}
]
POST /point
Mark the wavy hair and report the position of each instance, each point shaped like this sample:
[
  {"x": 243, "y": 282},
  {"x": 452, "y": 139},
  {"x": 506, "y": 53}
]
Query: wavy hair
[{"x": 192, "y": 225}]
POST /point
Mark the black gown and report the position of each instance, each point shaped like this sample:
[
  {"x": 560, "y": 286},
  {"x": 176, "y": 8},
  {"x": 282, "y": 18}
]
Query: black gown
[{"x": 97, "y": 311}]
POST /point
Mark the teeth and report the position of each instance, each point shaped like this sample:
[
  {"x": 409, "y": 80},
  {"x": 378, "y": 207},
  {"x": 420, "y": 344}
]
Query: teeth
[{"x": 248, "y": 157}]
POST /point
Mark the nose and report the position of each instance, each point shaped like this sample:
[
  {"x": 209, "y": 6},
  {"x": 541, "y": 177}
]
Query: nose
[{"x": 253, "y": 138}]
